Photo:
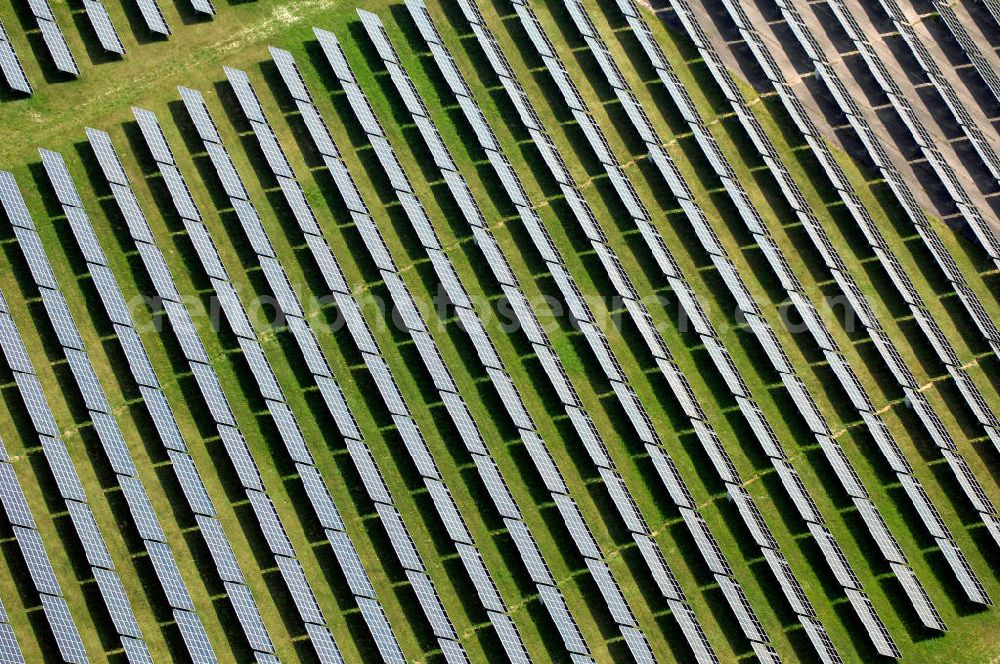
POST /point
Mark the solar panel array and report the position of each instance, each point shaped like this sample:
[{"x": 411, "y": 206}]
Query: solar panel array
[
  {"x": 112, "y": 439},
  {"x": 982, "y": 65},
  {"x": 974, "y": 399},
  {"x": 951, "y": 100},
  {"x": 843, "y": 371},
  {"x": 675, "y": 378},
  {"x": 188, "y": 476},
  {"x": 290, "y": 569},
  {"x": 556, "y": 373},
  {"x": 452, "y": 75},
  {"x": 107, "y": 35},
  {"x": 57, "y": 458},
  {"x": 10, "y": 65},
  {"x": 807, "y": 311},
  {"x": 53, "y": 37},
  {"x": 456, "y": 406},
  {"x": 361, "y": 333},
  {"x": 980, "y": 227}
]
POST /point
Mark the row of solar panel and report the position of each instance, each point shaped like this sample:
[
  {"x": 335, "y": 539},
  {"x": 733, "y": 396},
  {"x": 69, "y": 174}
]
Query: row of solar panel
[
  {"x": 399, "y": 536},
  {"x": 844, "y": 372},
  {"x": 102, "y": 25},
  {"x": 932, "y": 422},
  {"x": 236, "y": 447}
]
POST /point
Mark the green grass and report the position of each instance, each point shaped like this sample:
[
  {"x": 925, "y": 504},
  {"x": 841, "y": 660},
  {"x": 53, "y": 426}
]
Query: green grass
[{"x": 55, "y": 117}]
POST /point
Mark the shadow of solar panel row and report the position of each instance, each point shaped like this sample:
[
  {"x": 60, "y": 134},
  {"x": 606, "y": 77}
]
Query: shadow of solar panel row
[
  {"x": 795, "y": 292},
  {"x": 968, "y": 45},
  {"x": 928, "y": 147},
  {"x": 10, "y": 65},
  {"x": 99, "y": 19},
  {"x": 53, "y": 37},
  {"x": 246, "y": 468},
  {"x": 848, "y": 105},
  {"x": 22, "y": 523},
  {"x": 951, "y": 100},
  {"x": 160, "y": 410},
  {"x": 963, "y": 474},
  {"x": 288, "y": 428},
  {"x": 112, "y": 440},
  {"x": 640, "y": 314},
  {"x": 57, "y": 458},
  {"x": 415, "y": 325},
  {"x": 399, "y": 536},
  {"x": 584, "y": 320},
  {"x": 550, "y": 361}
]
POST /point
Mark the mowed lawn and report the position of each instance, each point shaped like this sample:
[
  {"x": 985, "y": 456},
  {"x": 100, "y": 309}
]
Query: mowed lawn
[{"x": 55, "y": 118}]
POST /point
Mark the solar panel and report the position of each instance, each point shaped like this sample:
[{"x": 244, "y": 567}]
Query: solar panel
[
  {"x": 113, "y": 443},
  {"x": 322, "y": 641},
  {"x": 12, "y": 498},
  {"x": 37, "y": 560},
  {"x": 309, "y": 346},
  {"x": 62, "y": 57},
  {"x": 299, "y": 588},
  {"x": 287, "y": 299},
  {"x": 611, "y": 592},
  {"x": 290, "y": 432},
  {"x": 105, "y": 29},
  {"x": 480, "y": 576},
  {"x": 226, "y": 171},
  {"x": 319, "y": 497},
  {"x": 351, "y": 565},
  {"x": 169, "y": 575},
  {"x": 89, "y": 534},
  {"x": 371, "y": 478},
  {"x": 153, "y": 17},
  {"x": 248, "y": 101},
  {"x": 196, "y": 108},
  {"x": 117, "y": 603},
  {"x": 10, "y": 651},
  {"x": 64, "y": 629},
  {"x": 235, "y": 313},
  {"x": 249, "y": 616},
  {"x": 192, "y": 484},
  {"x": 290, "y": 74},
  {"x": 496, "y": 487},
  {"x": 86, "y": 379},
  {"x": 270, "y": 524},
  {"x": 62, "y": 469},
  {"x": 143, "y": 514},
  {"x": 10, "y": 65},
  {"x": 240, "y": 457},
  {"x": 264, "y": 376},
  {"x": 195, "y": 639}
]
